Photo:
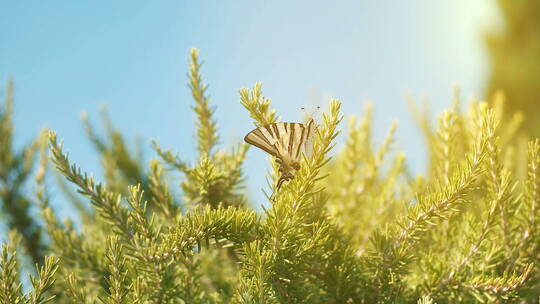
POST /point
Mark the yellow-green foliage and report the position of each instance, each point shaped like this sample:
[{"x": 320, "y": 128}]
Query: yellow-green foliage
[
  {"x": 514, "y": 58},
  {"x": 353, "y": 226}
]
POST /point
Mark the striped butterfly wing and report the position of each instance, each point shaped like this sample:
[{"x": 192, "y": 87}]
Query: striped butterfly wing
[
  {"x": 297, "y": 140},
  {"x": 286, "y": 141}
]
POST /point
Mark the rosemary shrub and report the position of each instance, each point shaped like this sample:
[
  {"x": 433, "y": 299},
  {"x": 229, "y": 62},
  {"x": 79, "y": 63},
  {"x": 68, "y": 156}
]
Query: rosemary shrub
[{"x": 353, "y": 228}]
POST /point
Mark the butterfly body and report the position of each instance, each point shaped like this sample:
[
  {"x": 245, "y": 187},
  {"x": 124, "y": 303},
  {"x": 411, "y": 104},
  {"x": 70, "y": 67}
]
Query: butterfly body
[{"x": 286, "y": 141}]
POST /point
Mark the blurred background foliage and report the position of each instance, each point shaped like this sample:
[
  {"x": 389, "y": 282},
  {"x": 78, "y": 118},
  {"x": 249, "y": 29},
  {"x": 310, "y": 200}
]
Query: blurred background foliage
[{"x": 514, "y": 60}]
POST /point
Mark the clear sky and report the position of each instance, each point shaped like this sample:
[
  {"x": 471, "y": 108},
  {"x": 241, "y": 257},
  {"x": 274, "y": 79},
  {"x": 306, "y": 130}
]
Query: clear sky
[{"x": 70, "y": 56}]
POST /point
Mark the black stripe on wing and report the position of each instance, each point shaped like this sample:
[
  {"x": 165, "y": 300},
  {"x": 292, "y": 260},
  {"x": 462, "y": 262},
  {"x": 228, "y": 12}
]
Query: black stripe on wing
[
  {"x": 292, "y": 127},
  {"x": 258, "y": 139},
  {"x": 301, "y": 141}
]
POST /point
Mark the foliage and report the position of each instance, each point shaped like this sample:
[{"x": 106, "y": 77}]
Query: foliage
[
  {"x": 514, "y": 58},
  {"x": 15, "y": 171},
  {"x": 353, "y": 226}
]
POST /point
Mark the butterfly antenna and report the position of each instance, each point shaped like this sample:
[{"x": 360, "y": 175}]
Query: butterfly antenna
[
  {"x": 304, "y": 111},
  {"x": 312, "y": 114}
]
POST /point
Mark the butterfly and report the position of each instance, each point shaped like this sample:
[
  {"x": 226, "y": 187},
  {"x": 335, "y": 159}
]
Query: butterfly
[{"x": 286, "y": 141}]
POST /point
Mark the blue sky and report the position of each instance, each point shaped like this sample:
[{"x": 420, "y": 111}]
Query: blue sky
[{"x": 70, "y": 56}]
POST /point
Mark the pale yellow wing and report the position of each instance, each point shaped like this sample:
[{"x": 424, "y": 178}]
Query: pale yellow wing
[{"x": 284, "y": 140}]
